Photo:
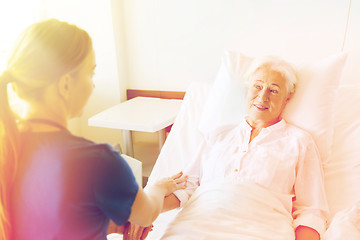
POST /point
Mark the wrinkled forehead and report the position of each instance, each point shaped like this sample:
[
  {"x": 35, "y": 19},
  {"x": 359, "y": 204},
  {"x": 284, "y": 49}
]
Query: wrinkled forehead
[{"x": 267, "y": 75}]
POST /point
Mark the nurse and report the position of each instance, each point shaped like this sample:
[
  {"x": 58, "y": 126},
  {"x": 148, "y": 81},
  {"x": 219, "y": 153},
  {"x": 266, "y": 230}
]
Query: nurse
[{"x": 54, "y": 185}]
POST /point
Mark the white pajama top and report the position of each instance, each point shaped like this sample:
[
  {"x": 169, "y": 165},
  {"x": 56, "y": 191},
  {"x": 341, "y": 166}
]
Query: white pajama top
[{"x": 282, "y": 159}]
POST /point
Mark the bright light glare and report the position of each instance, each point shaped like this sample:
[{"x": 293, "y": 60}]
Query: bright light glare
[{"x": 15, "y": 16}]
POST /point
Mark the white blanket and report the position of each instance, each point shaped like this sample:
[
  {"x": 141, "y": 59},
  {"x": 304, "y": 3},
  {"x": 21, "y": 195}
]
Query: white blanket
[
  {"x": 225, "y": 210},
  {"x": 345, "y": 224}
]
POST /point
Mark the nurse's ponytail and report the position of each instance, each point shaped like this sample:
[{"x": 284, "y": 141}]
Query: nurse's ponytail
[{"x": 9, "y": 144}]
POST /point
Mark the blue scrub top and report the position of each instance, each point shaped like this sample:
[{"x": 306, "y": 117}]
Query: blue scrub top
[{"x": 68, "y": 188}]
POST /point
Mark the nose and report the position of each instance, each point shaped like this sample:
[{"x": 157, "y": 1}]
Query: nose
[{"x": 263, "y": 95}]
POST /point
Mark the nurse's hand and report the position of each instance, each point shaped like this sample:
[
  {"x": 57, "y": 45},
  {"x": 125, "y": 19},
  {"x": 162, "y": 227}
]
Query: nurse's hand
[
  {"x": 171, "y": 184},
  {"x": 149, "y": 204},
  {"x": 136, "y": 232}
]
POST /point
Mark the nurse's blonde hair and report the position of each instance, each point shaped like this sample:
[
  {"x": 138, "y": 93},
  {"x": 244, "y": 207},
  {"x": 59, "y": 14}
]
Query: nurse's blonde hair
[{"x": 44, "y": 52}]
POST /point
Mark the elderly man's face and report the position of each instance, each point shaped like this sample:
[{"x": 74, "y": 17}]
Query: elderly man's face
[{"x": 267, "y": 96}]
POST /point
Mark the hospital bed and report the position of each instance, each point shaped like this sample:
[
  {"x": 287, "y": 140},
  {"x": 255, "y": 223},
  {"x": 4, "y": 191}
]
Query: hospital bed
[{"x": 325, "y": 105}]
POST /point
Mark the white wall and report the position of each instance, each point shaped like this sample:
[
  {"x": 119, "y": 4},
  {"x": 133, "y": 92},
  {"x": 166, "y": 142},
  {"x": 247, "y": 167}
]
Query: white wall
[
  {"x": 172, "y": 43},
  {"x": 352, "y": 45}
]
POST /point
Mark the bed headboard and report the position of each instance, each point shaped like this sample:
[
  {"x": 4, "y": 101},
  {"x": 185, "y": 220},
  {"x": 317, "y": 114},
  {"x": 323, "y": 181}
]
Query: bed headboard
[{"x": 132, "y": 93}]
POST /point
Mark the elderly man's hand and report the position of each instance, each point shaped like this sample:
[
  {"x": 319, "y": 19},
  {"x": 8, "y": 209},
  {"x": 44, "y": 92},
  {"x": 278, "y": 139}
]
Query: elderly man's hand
[{"x": 135, "y": 232}]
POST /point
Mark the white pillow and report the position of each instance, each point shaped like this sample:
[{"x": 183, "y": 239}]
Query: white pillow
[
  {"x": 226, "y": 101},
  {"x": 342, "y": 173},
  {"x": 310, "y": 109},
  {"x": 313, "y": 104},
  {"x": 184, "y": 137}
]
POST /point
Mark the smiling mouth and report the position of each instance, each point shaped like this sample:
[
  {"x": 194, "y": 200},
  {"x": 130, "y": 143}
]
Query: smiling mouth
[{"x": 260, "y": 107}]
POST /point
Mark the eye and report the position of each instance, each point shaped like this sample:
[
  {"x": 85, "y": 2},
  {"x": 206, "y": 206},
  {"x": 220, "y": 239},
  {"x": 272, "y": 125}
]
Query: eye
[
  {"x": 274, "y": 91},
  {"x": 257, "y": 86}
]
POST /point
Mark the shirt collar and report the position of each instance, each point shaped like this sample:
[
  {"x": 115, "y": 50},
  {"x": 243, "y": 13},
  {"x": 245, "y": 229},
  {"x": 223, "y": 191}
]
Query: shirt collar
[
  {"x": 277, "y": 126},
  {"x": 245, "y": 124}
]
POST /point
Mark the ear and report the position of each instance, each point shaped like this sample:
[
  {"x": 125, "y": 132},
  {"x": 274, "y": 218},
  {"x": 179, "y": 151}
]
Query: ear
[
  {"x": 64, "y": 86},
  {"x": 291, "y": 94}
]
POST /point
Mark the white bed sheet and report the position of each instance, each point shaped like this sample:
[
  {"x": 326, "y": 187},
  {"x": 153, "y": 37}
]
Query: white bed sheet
[
  {"x": 345, "y": 225},
  {"x": 227, "y": 210}
]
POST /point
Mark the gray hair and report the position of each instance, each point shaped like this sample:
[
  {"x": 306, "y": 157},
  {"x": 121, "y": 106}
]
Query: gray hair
[{"x": 275, "y": 64}]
